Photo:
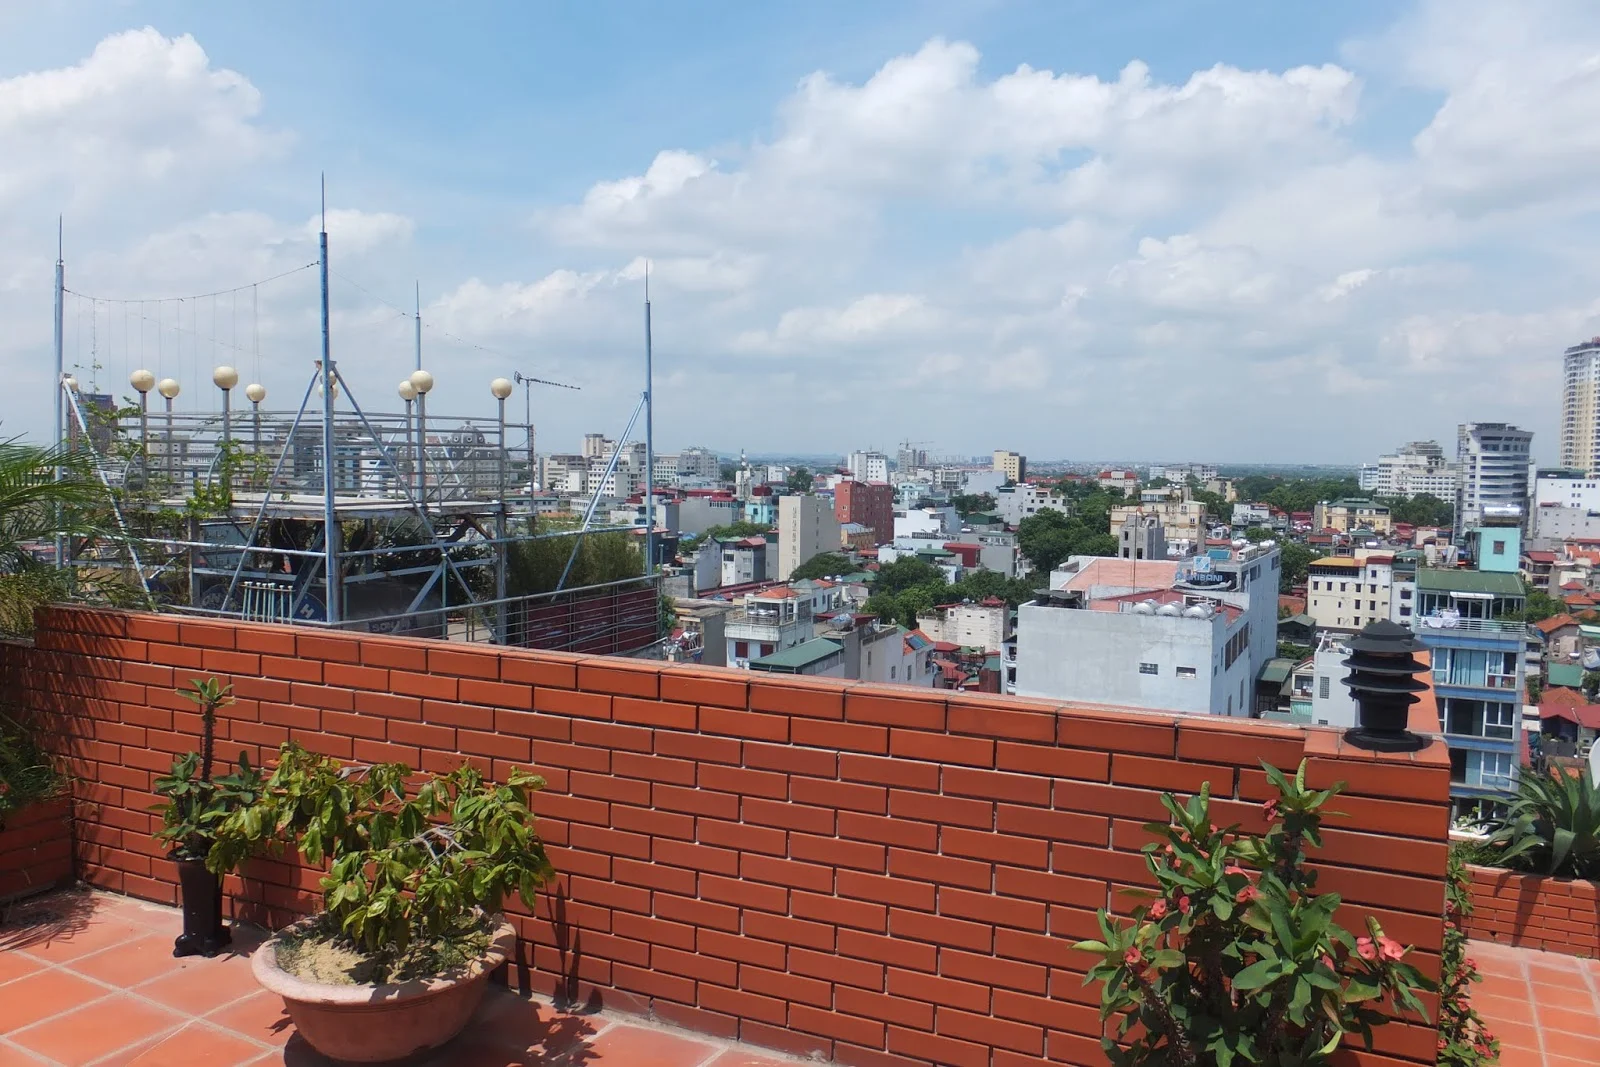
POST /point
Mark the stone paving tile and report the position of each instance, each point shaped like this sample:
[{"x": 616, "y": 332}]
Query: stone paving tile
[{"x": 87, "y": 979}]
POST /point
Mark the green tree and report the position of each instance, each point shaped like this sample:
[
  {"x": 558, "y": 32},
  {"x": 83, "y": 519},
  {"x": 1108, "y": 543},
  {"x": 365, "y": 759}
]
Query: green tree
[
  {"x": 800, "y": 480},
  {"x": 1424, "y": 509},
  {"x": 1538, "y": 607},
  {"x": 971, "y": 503},
  {"x": 1046, "y": 539},
  {"x": 905, "y": 572},
  {"x": 728, "y": 472},
  {"x": 726, "y": 532},
  {"x": 1295, "y": 560},
  {"x": 826, "y": 565},
  {"x": 1255, "y": 535}
]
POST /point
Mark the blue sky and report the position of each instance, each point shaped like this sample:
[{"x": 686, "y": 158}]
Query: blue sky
[{"x": 1220, "y": 230}]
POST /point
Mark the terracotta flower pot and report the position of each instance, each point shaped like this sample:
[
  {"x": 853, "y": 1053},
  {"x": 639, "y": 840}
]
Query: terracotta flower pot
[{"x": 375, "y": 1023}]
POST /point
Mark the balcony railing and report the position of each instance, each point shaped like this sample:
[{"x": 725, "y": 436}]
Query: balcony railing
[{"x": 1446, "y": 624}]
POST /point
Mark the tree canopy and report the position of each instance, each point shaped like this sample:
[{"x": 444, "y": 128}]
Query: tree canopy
[
  {"x": 909, "y": 586},
  {"x": 971, "y": 503},
  {"x": 728, "y": 531},
  {"x": 1424, "y": 509},
  {"x": 825, "y": 565},
  {"x": 1046, "y": 539},
  {"x": 800, "y": 480},
  {"x": 1295, "y": 560}
]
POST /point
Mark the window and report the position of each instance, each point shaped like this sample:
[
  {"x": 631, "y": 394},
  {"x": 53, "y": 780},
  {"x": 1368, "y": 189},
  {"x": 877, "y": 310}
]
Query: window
[
  {"x": 741, "y": 649},
  {"x": 1322, "y": 687},
  {"x": 1149, "y": 668},
  {"x": 1499, "y": 720},
  {"x": 1494, "y": 768},
  {"x": 1499, "y": 548},
  {"x": 892, "y": 671},
  {"x": 1185, "y": 672}
]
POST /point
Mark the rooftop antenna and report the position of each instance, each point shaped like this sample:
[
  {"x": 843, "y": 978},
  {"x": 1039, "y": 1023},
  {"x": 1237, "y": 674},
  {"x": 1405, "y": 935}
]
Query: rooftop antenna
[
  {"x": 527, "y": 409},
  {"x": 55, "y": 385},
  {"x": 330, "y": 526},
  {"x": 649, "y": 439},
  {"x": 419, "y": 324}
]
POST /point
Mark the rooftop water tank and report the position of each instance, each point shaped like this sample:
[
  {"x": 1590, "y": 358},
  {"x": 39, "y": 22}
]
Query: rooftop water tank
[
  {"x": 1145, "y": 607},
  {"x": 1197, "y": 611},
  {"x": 1169, "y": 610}
]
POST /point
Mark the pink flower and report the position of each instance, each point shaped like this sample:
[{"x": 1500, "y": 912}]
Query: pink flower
[
  {"x": 1247, "y": 894},
  {"x": 1366, "y": 949},
  {"x": 1234, "y": 868},
  {"x": 1158, "y": 909},
  {"x": 1389, "y": 948},
  {"x": 1133, "y": 957},
  {"x": 1449, "y": 926},
  {"x": 1327, "y": 961},
  {"x": 1270, "y": 810},
  {"x": 1183, "y": 905}
]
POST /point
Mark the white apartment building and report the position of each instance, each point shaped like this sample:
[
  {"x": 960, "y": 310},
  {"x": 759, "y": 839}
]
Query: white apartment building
[
  {"x": 1347, "y": 592},
  {"x": 746, "y": 560},
  {"x": 925, "y": 522},
  {"x": 1182, "y": 472},
  {"x": 1156, "y": 634},
  {"x": 1580, "y": 407},
  {"x": 968, "y": 625},
  {"x": 1016, "y": 502},
  {"x": 1013, "y": 466},
  {"x": 1492, "y": 461},
  {"x": 868, "y": 466},
  {"x": 697, "y": 461},
  {"x": 769, "y": 621},
  {"x": 806, "y": 527},
  {"x": 1564, "y": 508},
  {"x": 596, "y": 445},
  {"x": 1417, "y": 467},
  {"x": 565, "y": 473}
]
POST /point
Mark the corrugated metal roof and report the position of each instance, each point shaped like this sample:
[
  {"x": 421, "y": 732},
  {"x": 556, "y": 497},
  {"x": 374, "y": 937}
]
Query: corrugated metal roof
[
  {"x": 801, "y": 655},
  {"x": 1277, "y": 671},
  {"x": 1440, "y": 580}
]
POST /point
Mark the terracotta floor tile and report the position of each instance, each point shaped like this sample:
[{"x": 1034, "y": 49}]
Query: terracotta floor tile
[
  {"x": 204, "y": 985},
  {"x": 12, "y": 1056},
  {"x": 622, "y": 1045},
  {"x": 1503, "y": 1009},
  {"x": 1568, "y": 1021},
  {"x": 740, "y": 1058},
  {"x": 14, "y": 965},
  {"x": 1520, "y": 1057},
  {"x": 97, "y": 1030},
  {"x": 196, "y": 1044},
  {"x": 260, "y": 1017},
  {"x": 41, "y": 995},
  {"x": 1583, "y": 1046},
  {"x": 98, "y": 934},
  {"x": 129, "y": 964},
  {"x": 507, "y": 1020},
  {"x": 1573, "y": 994},
  {"x": 1511, "y": 1034}
]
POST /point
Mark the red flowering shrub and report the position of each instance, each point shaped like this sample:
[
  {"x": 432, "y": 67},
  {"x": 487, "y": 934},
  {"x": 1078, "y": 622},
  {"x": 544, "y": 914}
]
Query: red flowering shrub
[{"x": 1236, "y": 958}]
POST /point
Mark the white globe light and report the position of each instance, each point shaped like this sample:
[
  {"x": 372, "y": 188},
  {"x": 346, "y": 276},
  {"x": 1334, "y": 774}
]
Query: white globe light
[
  {"x": 408, "y": 392},
  {"x": 70, "y": 382},
  {"x": 320, "y": 390},
  {"x": 501, "y": 387},
  {"x": 256, "y": 392},
  {"x": 168, "y": 387},
  {"x": 421, "y": 381},
  {"x": 142, "y": 380},
  {"x": 225, "y": 377}
]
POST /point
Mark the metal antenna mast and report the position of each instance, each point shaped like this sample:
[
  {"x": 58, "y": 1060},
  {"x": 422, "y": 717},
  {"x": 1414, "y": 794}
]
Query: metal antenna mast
[
  {"x": 330, "y": 522},
  {"x": 56, "y": 386},
  {"x": 527, "y": 407},
  {"x": 419, "y": 325},
  {"x": 649, "y": 440}
]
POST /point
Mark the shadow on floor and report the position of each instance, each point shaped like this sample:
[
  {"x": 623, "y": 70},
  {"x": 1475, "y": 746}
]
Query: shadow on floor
[{"x": 38, "y": 920}]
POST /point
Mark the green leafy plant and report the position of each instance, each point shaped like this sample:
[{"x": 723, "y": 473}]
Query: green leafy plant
[
  {"x": 1553, "y": 827},
  {"x": 27, "y": 773},
  {"x": 196, "y": 800},
  {"x": 1235, "y": 957},
  {"x": 1464, "y": 1039},
  {"x": 404, "y": 867}
]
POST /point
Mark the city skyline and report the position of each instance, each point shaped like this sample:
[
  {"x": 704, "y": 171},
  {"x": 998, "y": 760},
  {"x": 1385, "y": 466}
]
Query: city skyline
[{"x": 1118, "y": 227}]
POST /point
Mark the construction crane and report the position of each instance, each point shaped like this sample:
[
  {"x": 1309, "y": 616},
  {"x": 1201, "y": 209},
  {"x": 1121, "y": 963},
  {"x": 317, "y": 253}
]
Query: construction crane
[{"x": 527, "y": 405}]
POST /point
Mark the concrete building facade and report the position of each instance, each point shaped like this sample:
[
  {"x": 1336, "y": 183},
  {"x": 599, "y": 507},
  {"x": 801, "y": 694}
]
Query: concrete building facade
[
  {"x": 1492, "y": 459},
  {"x": 968, "y": 625},
  {"x": 1416, "y": 467},
  {"x": 1345, "y": 516},
  {"x": 1012, "y": 465},
  {"x": 1345, "y": 593},
  {"x": 1016, "y": 502},
  {"x": 806, "y": 527},
  {"x": 868, "y": 466},
  {"x": 1580, "y": 407}
]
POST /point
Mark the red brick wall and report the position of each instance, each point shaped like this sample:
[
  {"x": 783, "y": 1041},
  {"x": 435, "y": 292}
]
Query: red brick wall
[
  {"x": 883, "y": 876},
  {"x": 36, "y": 849},
  {"x": 1554, "y": 914}
]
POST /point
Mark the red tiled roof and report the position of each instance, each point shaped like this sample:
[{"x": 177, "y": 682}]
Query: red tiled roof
[
  {"x": 1585, "y": 715},
  {"x": 1572, "y": 587},
  {"x": 1554, "y": 623},
  {"x": 1541, "y": 557}
]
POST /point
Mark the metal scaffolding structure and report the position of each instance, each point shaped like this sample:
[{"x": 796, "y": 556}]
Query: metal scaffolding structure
[{"x": 332, "y": 515}]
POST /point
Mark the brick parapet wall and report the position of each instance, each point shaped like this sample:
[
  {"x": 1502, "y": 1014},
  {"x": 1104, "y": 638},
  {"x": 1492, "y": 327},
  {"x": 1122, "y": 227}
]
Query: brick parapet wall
[
  {"x": 877, "y": 875},
  {"x": 36, "y": 849},
  {"x": 1532, "y": 911}
]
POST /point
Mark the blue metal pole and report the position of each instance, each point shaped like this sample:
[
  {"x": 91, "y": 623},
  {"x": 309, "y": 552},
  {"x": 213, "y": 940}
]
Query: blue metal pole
[
  {"x": 649, "y": 444},
  {"x": 55, "y": 386},
  {"x": 330, "y": 540}
]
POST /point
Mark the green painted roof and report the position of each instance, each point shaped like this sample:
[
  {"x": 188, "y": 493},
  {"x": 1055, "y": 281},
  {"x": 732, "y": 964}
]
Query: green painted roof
[
  {"x": 1300, "y": 620},
  {"x": 1442, "y": 580},
  {"x": 1567, "y": 674},
  {"x": 1277, "y": 671},
  {"x": 1589, "y": 633},
  {"x": 801, "y": 655}
]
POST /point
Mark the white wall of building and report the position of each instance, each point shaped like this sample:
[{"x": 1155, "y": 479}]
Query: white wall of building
[
  {"x": 806, "y": 528},
  {"x": 968, "y": 625},
  {"x": 1492, "y": 459},
  {"x": 1017, "y": 502},
  {"x": 868, "y": 466},
  {"x": 925, "y": 522}
]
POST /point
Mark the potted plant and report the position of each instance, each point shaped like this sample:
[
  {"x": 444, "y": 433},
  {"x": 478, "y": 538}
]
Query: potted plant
[
  {"x": 1553, "y": 827},
  {"x": 397, "y": 961},
  {"x": 1235, "y": 957},
  {"x": 196, "y": 803}
]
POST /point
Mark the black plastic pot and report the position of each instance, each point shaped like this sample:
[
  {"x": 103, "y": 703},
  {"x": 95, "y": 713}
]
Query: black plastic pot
[{"x": 203, "y": 932}]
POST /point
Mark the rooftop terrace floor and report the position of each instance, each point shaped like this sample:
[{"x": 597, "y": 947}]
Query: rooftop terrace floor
[
  {"x": 89, "y": 978},
  {"x": 1544, "y": 1007}
]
